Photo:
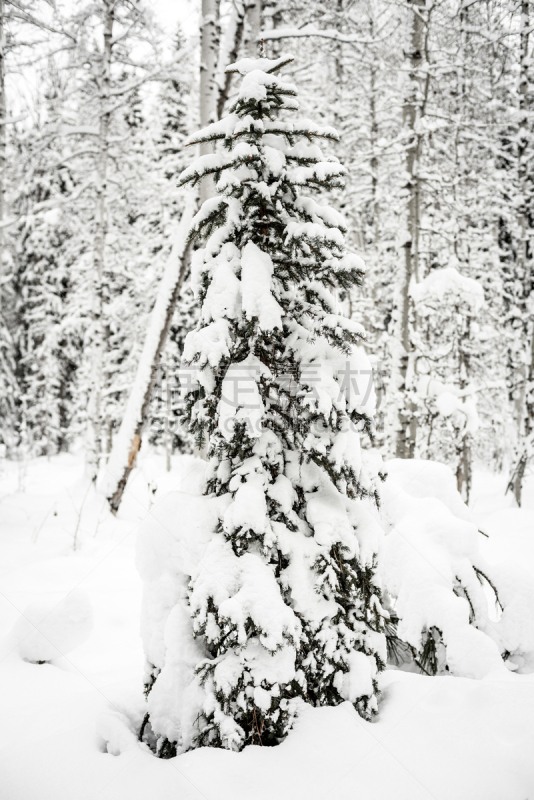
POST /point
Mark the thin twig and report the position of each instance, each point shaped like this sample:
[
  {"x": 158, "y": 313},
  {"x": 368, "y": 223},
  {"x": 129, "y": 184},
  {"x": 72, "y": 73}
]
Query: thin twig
[
  {"x": 74, "y": 543},
  {"x": 37, "y": 532}
]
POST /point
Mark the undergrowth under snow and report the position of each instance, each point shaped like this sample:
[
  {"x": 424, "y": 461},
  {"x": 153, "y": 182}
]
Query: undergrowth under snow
[{"x": 68, "y": 726}]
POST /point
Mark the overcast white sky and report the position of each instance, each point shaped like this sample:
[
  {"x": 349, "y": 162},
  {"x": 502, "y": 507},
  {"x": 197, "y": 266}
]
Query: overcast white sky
[{"x": 172, "y": 12}]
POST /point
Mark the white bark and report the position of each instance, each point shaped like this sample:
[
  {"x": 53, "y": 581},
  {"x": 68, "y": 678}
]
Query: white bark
[
  {"x": 3, "y": 116},
  {"x": 100, "y": 330},
  {"x": 209, "y": 90},
  {"x": 114, "y": 475},
  {"x": 523, "y": 181},
  {"x": 464, "y": 467},
  {"x": 230, "y": 53},
  {"x": 525, "y": 451},
  {"x": 406, "y": 423},
  {"x": 523, "y": 406},
  {"x": 253, "y": 14}
]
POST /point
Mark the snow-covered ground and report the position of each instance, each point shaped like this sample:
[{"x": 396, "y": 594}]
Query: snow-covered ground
[{"x": 444, "y": 738}]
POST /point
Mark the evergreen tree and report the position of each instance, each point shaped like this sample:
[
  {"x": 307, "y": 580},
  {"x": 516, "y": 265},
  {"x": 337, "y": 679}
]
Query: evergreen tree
[
  {"x": 285, "y": 604},
  {"x": 46, "y": 343},
  {"x": 174, "y": 110},
  {"x": 448, "y": 305}
]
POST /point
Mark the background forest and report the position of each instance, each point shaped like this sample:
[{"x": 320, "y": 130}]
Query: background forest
[
  {"x": 343, "y": 593},
  {"x": 433, "y": 105}
]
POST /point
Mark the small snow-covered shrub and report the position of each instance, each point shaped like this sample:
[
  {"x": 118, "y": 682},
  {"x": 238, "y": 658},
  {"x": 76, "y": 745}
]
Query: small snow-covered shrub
[
  {"x": 451, "y": 349},
  {"x": 442, "y": 592}
]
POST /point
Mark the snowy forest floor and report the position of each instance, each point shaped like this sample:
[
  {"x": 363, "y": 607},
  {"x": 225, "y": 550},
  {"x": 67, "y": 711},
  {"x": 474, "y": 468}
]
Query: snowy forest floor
[{"x": 443, "y": 738}]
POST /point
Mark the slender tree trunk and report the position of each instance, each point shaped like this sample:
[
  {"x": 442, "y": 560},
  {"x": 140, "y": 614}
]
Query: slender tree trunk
[
  {"x": 518, "y": 476},
  {"x": 463, "y": 447},
  {"x": 522, "y": 147},
  {"x": 464, "y": 470},
  {"x": 272, "y": 17},
  {"x": 373, "y": 210},
  {"x": 209, "y": 90},
  {"x": 374, "y": 159},
  {"x": 525, "y": 368},
  {"x": 253, "y": 14},
  {"x": 3, "y": 116},
  {"x": 525, "y": 451},
  {"x": 523, "y": 179},
  {"x": 168, "y": 432},
  {"x": 339, "y": 89},
  {"x": 237, "y": 26},
  {"x": 407, "y": 422},
  {"x": 101, "y": 290}
]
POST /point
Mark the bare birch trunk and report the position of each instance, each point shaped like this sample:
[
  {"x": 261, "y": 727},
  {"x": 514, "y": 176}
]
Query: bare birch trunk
[
  {"x": 463, "y": 446},
  {"x": 522, "y": 216},
  {"x": 253, "y": 14},
  {"x": 237, "y": 25},
  {"x": 523, "y": 136},
  {"x": 100, "y": 328},
  {"x": 526, "y": 367},
  {"x": 407, "y": 423},
  {"x": 527, "y": 431},
  {"x": 272, "y": 17},
  {"x": 464, "y": 467},
  {"x": 168, "y": 432},
  {"x": 209, "y": 91},
  {"x": 374, "y": 159},
  {"x": 3, "y": 116}
]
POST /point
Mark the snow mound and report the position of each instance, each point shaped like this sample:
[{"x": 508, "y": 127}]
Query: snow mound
[
  {"x": 187, "y": 475},
  {"x": 475, "y": 735},
  {"x": 420, "y": 478},
  {"x": 447, "y": 282},
  {"x": 54, "y": 628},
  {"x": 482, "y": 729},
  {"x": 510, "y": 553}
]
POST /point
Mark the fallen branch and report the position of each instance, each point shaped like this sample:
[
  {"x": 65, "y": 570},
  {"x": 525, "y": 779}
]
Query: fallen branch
[{"x": 114, "y": 475}]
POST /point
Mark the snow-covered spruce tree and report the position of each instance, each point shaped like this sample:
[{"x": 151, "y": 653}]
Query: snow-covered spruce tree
[{"x": 280, "y": 595}]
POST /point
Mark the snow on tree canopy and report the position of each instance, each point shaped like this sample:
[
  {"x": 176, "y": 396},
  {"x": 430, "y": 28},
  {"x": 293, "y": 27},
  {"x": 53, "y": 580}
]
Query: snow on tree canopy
[
  {"x": 262, "y": 594},
  {"x": 441, "y": 283}
]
